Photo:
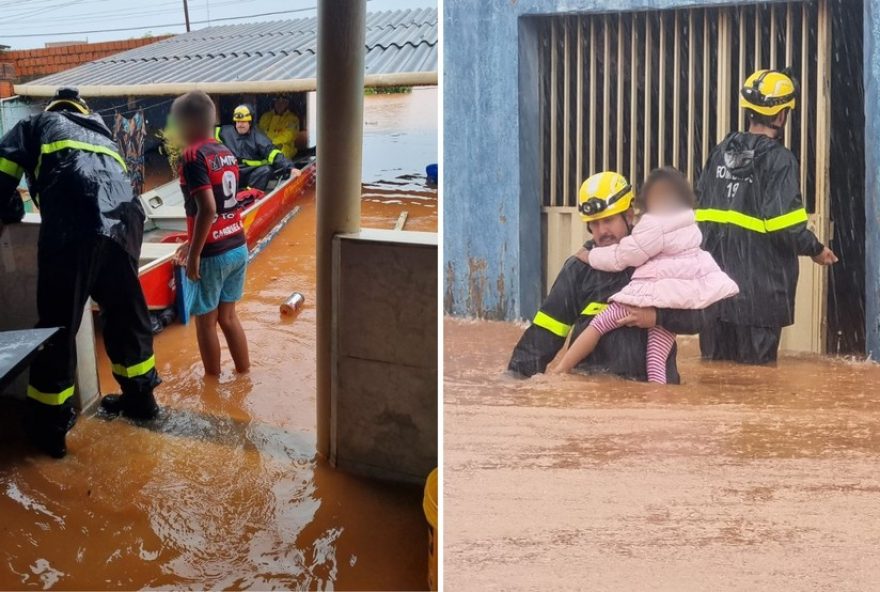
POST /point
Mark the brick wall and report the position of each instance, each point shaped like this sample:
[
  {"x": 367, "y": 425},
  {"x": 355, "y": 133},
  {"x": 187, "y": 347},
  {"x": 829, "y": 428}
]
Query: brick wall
[{"x": 27, "y": 64}]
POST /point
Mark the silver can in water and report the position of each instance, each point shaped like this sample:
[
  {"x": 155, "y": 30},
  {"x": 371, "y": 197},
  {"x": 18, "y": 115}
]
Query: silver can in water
[{"x": 293, "y": 304}]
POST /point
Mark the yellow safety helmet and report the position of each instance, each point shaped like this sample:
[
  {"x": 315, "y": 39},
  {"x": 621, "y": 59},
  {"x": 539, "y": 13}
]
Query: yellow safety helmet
[
  {"x": 67, "y": 97},
  {"x": 242, "y": 113},
  {"x": 769, "y": 91},
  {"x": 604, "y": 195}
]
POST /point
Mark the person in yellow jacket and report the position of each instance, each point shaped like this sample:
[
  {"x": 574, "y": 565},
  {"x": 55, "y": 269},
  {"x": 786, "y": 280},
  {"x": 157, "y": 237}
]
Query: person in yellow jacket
[{"x": 282, "y": 126}]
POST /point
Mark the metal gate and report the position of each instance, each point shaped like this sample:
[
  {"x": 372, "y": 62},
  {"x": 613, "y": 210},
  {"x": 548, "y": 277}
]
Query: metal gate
[{"x": 637, "y": 90}]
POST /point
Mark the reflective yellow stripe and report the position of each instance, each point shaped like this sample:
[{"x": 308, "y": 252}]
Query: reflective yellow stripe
[
  {"x": 751, "y": 223},
  {"x": 785, "y": 220},
  {"x": 273, "y": 155},
  {"x": 49, "y": 398},
  {"x": 594, "y": 308},
  {"x": 731, "y": 217},
  {"x": 254, "y": 163},
  {"x": 545, "y": 321},
  {"x": 136, "y": 370},
  {"x": 75, "y": 145},
  {"x": 11, "y": 168},
  {"x": 217, "y": 134}
]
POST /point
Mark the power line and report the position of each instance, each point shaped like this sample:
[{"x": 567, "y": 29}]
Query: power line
[
  {"x": 141, "y": 28},
  {"x": 119, "y": 13},
  {"x": 30, "y": 13}
]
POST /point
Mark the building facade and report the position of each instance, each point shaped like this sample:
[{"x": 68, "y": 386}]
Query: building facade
[{"x": 562, "y": 89}]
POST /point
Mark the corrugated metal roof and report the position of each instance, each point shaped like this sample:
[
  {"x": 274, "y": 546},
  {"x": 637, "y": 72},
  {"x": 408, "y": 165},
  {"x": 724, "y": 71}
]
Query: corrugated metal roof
[{"x": 253, "y": 57}]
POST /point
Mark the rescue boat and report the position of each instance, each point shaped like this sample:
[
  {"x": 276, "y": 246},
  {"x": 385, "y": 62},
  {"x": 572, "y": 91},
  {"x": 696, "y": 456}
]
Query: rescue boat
[{"x": 165, "y": 229}]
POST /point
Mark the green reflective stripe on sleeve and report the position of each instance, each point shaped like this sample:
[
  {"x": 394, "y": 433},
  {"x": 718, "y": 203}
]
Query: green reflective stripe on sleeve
[
  {"x": 136, "y": 370},
  {"x": 786, "y": 220},
  {"x": 593, "y": 308},
  {"x": 254, "y": 163},
  {"x": 49, "y": 398},
  {"x": 217, "y": 134},
  {"x": 11, "y": 168},
  {"x": 273, "y": 155},
  {"x": 545, "y": 321},
  {"x": 750, "y": 222},
  {"x": 76, "y": 145}
]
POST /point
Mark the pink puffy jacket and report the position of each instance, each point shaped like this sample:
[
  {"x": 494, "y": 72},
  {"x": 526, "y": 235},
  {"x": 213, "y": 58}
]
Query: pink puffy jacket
[{"x": 672, "y": 270}]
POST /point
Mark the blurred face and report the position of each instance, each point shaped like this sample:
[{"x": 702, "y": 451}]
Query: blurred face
[
  {"x": 192, "y": 130},
  {"x": 242, "y": 127},
  {"x": 609, "y": 231},
  {"x": 188, "y": 131},
  {"x": 664, "y": 199},
  {"x": 281, "y": 105}
]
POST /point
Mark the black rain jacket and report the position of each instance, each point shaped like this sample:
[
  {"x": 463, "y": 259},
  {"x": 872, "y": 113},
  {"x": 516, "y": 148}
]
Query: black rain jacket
[
  {"x": 75, "y": 175},
  {"x": 253, "y": 149},
  {"x": 579, "y": 293},
  {"x": 754, "y": 224}
]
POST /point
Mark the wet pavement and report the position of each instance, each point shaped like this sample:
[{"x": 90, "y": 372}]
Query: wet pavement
[
  {"x": 743, "y": 478},
  {"x": 225, "y": 490}
]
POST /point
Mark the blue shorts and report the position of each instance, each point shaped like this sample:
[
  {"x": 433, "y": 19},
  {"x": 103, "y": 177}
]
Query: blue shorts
[{"x": 222, "y": 280}]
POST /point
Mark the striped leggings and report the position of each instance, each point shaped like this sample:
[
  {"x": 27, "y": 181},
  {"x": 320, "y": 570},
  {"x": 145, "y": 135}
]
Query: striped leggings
[{"x": 660, "y": 341}]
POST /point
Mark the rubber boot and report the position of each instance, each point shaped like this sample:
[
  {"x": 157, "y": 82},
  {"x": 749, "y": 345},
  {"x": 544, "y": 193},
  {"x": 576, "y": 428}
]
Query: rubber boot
[
  {"x": 141, "y": 407},
  {"x": 46, "y": 427}
]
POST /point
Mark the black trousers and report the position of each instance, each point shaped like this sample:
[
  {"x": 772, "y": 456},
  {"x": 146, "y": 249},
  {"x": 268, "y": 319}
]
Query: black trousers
[
  {"x": 740, "y": 343},
  {"x": 255, "y": 177},
  {"x": 66, "y": 278}
]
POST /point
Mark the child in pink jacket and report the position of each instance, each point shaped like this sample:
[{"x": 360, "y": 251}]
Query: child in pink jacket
[{"x": 672, "y": 271}]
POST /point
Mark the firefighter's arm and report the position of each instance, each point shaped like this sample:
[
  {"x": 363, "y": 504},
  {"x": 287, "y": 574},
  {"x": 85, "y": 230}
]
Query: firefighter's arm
[
  {"x": 16, "y": 157},
  {"x": 279, "y": 161},
  {"x": 552, "y": 323},
  {"x": 271, "y": 153},
  {"x": 686, "y": 322},
  {"x": 785, "y": 217}
]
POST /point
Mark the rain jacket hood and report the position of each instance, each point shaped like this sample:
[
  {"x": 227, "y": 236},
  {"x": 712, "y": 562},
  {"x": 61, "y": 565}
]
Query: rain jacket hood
[
  {"x": 742, "y": 150},
  {"x": 75, "y": 175},
  {"x": 755, "y": 226}
]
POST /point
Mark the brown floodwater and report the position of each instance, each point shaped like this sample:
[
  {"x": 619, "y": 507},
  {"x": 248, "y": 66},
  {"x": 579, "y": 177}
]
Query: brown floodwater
[
  {"x": 226, "y": 489},
  {"x": 742, "y": 478}
]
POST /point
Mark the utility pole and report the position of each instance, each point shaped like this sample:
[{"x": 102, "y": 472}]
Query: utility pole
[{"x": 186, "y": 14}]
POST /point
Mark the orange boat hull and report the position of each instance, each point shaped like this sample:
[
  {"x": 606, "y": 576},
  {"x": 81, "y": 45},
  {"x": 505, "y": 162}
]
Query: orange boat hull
[{"x": 157, "y": 280}]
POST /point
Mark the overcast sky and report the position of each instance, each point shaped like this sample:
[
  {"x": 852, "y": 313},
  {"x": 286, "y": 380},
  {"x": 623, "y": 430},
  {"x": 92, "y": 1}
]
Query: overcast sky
[{"x": 31, "y": 24}]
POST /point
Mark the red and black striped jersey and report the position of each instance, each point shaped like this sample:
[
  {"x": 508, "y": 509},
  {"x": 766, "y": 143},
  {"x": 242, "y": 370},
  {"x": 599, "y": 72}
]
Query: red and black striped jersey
[{"x": 211, "y": 165}]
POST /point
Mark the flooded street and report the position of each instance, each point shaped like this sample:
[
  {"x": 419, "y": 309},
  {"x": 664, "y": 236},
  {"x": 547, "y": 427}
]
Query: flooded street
[
  {"x": 400, "y": 140},
  {"x": 225, "y": 491},
  {"x": 743, "y": 478}
]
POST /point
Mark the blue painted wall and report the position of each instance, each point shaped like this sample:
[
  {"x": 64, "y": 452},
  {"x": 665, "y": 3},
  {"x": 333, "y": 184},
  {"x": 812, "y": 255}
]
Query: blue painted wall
[
  {"x": 872, "y": 177},
  {"x": 492, "y": 242}
]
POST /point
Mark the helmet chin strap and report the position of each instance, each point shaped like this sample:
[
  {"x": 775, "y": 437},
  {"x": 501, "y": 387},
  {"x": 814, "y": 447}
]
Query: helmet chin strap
[{"x": 778, "y": 129}]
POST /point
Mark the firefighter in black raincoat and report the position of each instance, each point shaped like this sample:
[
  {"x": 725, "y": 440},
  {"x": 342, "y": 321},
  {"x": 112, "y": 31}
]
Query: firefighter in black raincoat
[
  {"x": 258, "y": 158},
  {"x": 581, "y": 292},
  {"x": 90, "y": 240},
  {"x": 755, "y": 225}
]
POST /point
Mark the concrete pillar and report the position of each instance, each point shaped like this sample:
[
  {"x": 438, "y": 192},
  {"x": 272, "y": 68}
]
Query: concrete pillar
[{"x": 340, "y": 98}]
